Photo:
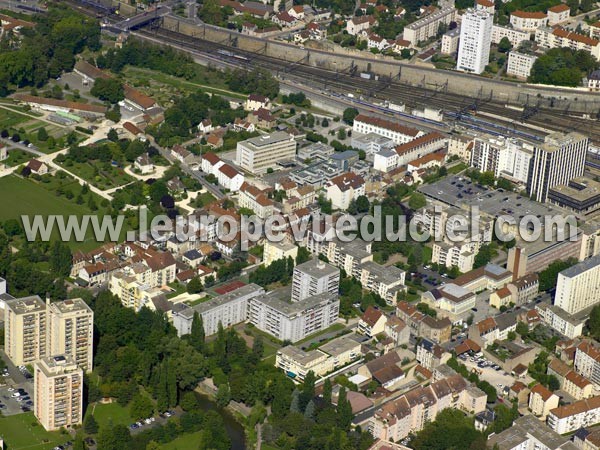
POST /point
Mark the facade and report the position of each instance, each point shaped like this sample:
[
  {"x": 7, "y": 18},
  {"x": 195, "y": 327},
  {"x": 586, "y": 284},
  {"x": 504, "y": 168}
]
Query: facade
[
  {"x": 384, "y": 281},
  {"x": 339, "y": 352},
  {"x": 344, "y": 188},
  {"x": 587, "y": 362},
  {"x": 428, "y": 26},
  {"x": 293, "y": 321},
  {"x": 475, "y": 41},
  {"x": 372, "y": 322},
  {"x": 400, "y": 134},
  {"x": 514, "y": 36},
  {"x": 560, "y": 159},
  {"x": 58, "y": 392},
  {"x": 578, "y": 287},
  {"x": 258, "y": 154},
  {"x": 25, "y": 330},
  {"x": 314, "y": 277},
  {"x": 228, "y": 309},
  {"x": 450, "y": 42},
  {"x": 253, "y": 198},
  {"x": 274, "y": 251},
  {"x": 71, "y": 331},
  {"x": 527, "y": 433},
  {"x": 556, "y": 37},
  {"x": 558, "y": 14},
  {"x": 581, "y": 414},
  {"x": 430, "y": 355},
  {"x": 451, "y": 298},
  {"x": 528, "y": 21},
  {"x": 508, "y": 158},
  {"x": 577, "y": 386},
  {"x": 520, "y": 64},
  {"x": 420, "y": 146},
  {"x": 541, "y": 401}
]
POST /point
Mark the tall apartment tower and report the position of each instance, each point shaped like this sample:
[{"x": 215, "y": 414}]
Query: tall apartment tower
[
  {"x": 578, "y": 287},
  {"x": 314, "y": 277},
  {"x": 557, "y": 161},
  {"x": 25, "y": 330},
  {"x": 475, "y": 41},
  {"x": 58, "y": 392},
  {"x": 71, "y": 331}
]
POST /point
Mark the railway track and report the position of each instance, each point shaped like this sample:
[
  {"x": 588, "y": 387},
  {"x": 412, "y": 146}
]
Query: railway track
[{"x": 384, "y": 89}]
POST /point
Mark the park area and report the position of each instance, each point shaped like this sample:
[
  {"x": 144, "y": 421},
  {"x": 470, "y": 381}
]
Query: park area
[{"x": 23, "y": 431}]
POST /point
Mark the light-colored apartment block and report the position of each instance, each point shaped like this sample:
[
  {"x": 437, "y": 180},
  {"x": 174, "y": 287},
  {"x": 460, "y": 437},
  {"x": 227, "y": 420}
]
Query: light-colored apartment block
[
  {"x": 475, "y": 41},
  {"x": 578, "y": 287},
  {"x": 58, "y": 392},
  {"x": 428, "y": 26},
  {"x": 25, "y": 330},
  {"x": 274, "y": 251},
  {"x": 314, "y": 277},
  {"x": 520, "y": 64},
  {"x": 71, "y": 331},
  {"x": 541, "y": 401},
  {"x": 258, "y": 154}
]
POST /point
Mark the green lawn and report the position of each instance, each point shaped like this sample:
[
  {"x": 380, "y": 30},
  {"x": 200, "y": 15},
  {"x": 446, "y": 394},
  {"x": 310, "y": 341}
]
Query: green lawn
[
  {"x": 17, "y": 157},
  {"x": 11, "y": 119},
  {"x": 315, "y": 337},
  {"x": 102, "y": 175},
  {"x": 185, "y": 442},
  {"x": 103, "y": 412},
  {"x": 31, "y": 198},
  {"x": 23, "y": 431}
]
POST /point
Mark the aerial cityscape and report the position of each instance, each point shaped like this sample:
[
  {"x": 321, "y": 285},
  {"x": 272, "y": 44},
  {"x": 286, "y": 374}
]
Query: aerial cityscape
[{"x": 300, "y": 225}]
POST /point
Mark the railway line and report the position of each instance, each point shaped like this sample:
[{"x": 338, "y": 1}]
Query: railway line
[
  {"x": 456, "y": 106},
  {"x": 386, "y": 89}
]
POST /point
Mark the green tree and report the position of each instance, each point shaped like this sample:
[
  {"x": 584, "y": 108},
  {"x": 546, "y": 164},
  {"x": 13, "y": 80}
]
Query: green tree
[
  {"x": 484, "y": 256},
  {"x": 112, "y": 135},
  {"x": 196, "y": 336},
  {"x": 549, "y": 275},
  {"x": 108, "y": 89},
  {"x": 450, "y": 430},
  {"x": 42, "y": 135},
  {"x": 114, "y": 437},
  {"x": 303, "y": 255},
  {"x": 349, "y": 115},
  {"x": 344, "y": 410},
  {"x": 223, "y": 395},
  {"x": 593, "y": 323},
  {"x": 327, "y": 391},
  {"x": 78, "y": 443},
  {"x": 504, "y": 45},
  {"x": 417, "y": 201},
  {"x": 90, "y": 425},
  {"x": 194, "y": 286},
  {"x": 141, "y": 407},
  {"x": 61, "y": 259}
]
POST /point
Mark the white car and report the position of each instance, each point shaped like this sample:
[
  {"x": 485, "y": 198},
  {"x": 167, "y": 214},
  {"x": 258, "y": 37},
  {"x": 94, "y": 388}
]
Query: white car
[
  {"x": 11, "y": 389},
  {"x": 148, "y": 421},
  {"x": 15, "y": 395}
]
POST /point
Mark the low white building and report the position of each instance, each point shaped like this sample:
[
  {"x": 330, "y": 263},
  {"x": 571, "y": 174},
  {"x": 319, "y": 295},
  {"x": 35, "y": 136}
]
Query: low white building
[
  {"x": 559, "y": 14},
  {"x": 344, "y": 188},
  {"x": 520, "y": 64},
  {"x": 528, "y": 21}
]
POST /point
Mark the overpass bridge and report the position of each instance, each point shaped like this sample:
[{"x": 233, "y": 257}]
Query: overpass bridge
[{"x": 142, "y": 19}]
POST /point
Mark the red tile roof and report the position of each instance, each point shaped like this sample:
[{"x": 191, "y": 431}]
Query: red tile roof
[
  {"x": 529, "y": 15},
  {"x": 60, "y": 103},
  {"x": 387, "y": 124},
  {"x": 559, "y": 8}
]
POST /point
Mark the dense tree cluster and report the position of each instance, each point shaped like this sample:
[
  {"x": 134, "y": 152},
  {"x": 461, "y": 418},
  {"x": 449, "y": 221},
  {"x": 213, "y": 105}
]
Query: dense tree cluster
[
  {"x": 562, "y": 67},
  {"x": 257, "y": 81},
  {"x": 279, "y": 271},
  {"x": 48, "y": 49},
  {"x": 451, "y": 430},
  {"x": 549, "y": 275}
]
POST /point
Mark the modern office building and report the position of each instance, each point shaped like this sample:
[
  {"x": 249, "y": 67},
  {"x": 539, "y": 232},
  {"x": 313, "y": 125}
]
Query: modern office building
[
  {"x": 578, "y": 287},
  {"x": 58, "y": 392},
  {"x": 228, "y": 309},
  {"x": 293, "y": 321},
  {"x": 25, "y": 330},
  {"x": 475, "y": 41},
  {"x": 260, "y": 153},
  {"x": 71, "y": 331},
  {"x": 314, "y": 277},
  {"x": 555, "y": 162}
]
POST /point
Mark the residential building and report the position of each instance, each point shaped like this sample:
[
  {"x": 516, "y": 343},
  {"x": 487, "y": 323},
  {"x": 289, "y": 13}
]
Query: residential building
[
  {"x": 578, "y": 287},
  {"x": 293, "y": 321},
  {"x": 450, "y": 42},
  {"x": 230, "y": 178},
  {"x": 372, "y": 322},
  {"x": 274, "y": 251},
  {"x": 492, "y": 329},
  {"x": 385, "y": 281},
  {"x": 485, "y": 5},
  {"x": 228, "y": 309},
  {"x": 258, "y": 154},
  {"x": 356, "y": 25},
  {"x": 339, "y": 352},
  {"x": 144, "y": 164},
  {"x": 520, "y": 64},
  {"x": 527, "y": 433},
  {"x": 593, "y": 81},
  {"x": 430, "y": 355},
  {"x": 577, "y": 386},
  {"x": 507, "y": 158},
  {"x": 428, "y": 26},
  {"x": 557, "y": 37},
  {"x": 490, "y": 277},
  {"x": 385, "y": 160},
  {"x": 314, "y": 277},
  {"x": 587, "y": 362},
  {"x": 514, "y": 36},
  {"x": 420, "y": 146},
  {"x": 451, "y": 298},
  {"x": 438, "y": 330},
  {"x": 70, "y": 325},
  {"x": 542, "y": 400},
  {"x": 25, "y": 330},
  {"x": 407, "y": 414},
  {"x": 58, "y": 392},
  {"x": 581, "y": 414},
  {"x": 475, "y": 41},
  {"x": 558, "y": 14},
  {"x": 524, "y": 289},
  {"x": 399, "y": 134},
  {"x": 460, "y": 254},
  {"x": 344, "y": 188},
  {"x": 528, "y": 21},
  {"x": 385, "y": 369},
  {"x": 397, "y": 330},
  {"x": 251, "y": 197},
  {"x": 254, "y": 102},
  {"x": 559, "y": 159}
]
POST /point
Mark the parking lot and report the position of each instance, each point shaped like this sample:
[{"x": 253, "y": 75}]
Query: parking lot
[
  {"x": 497, "y": 378},
  {"x": 15, "y": 380}
]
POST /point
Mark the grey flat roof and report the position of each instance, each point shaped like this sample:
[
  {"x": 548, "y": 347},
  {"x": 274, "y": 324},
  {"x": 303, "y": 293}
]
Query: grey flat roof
[
  {"x": 26, "y": 305},
  {"x": 289, "y": 309},
  {"x": 522, "y": 428},
  {"x": 75, "y": 304},
  {"x": 268, "y": 139},
  {"x": 340, "y": 345},
  {"x": 386, "y": 274},
  {"x": 581, "y": 267},
  {"x": 221, "y": 300},
  {"x": 317, "y": 268}
]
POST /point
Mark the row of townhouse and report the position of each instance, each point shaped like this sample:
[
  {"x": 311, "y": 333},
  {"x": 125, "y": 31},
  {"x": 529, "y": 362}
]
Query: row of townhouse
[
  {"x": 396, "y": 419},
  {"x": 226, "y": 174}
]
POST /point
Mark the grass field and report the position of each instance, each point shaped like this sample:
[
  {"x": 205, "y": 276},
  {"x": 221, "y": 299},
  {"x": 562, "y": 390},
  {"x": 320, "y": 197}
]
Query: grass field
[
  {"x": 30, "y": 198},
  {"x": 23, "y": 431},
  {"x": 16, "y": 157},
  {"x": 185, "y": 442},
  {"x": 105, "y": 412}
]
